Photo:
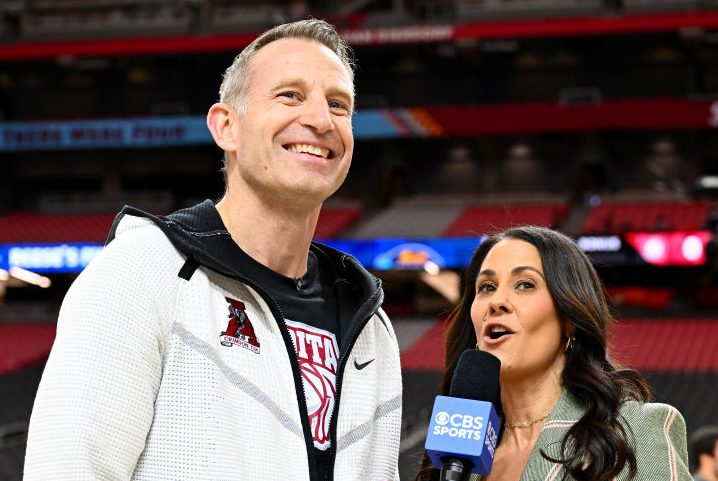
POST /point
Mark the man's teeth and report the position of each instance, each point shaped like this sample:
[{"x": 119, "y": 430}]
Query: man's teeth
[{"x": 309, "y": 149}]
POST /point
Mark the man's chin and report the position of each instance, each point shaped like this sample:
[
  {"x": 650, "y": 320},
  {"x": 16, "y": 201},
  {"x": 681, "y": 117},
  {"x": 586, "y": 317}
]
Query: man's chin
[{"x": 303, "y": 197}]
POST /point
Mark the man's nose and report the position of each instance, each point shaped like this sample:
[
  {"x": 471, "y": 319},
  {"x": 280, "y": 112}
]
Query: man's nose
[{"x": 317, "y": 115}]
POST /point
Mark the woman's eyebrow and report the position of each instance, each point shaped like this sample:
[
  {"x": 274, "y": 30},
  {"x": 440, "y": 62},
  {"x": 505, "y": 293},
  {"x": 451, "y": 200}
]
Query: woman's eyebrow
[
  {"x": 519, "y": 269},
  {"x": 487, "y": 272},
  {"x": 515, "y": 271}
]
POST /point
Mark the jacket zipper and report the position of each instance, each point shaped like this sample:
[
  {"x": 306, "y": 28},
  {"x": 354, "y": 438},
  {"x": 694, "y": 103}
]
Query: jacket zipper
[
  {"x": 299, "y": 384},
  {"x": 372, "y": 310}
]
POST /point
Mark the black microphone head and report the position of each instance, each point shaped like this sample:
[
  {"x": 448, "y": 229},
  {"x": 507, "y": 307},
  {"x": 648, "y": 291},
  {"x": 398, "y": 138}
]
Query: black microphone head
[{"x": 476, "y": 376}]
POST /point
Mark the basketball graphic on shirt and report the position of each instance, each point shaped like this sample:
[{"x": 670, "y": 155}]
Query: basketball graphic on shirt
[
  {"x": 320, "y": 394},
  {"x": 315, "y": 387},
  {"x": 317, "y": 352}
]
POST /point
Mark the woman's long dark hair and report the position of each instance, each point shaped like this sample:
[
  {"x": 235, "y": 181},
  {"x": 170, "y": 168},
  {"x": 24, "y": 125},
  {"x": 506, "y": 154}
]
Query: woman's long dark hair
[{"x": 597, "y": 446}]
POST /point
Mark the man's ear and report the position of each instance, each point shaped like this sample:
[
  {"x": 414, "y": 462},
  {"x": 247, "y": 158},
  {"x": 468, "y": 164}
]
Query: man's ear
[{"x": 222, "y": 122}]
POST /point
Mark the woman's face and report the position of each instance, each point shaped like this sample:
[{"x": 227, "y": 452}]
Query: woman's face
[{"x": 513, "y": 314}]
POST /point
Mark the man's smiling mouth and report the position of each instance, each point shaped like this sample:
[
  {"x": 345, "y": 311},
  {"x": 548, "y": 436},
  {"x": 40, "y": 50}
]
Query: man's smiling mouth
[{"x": 309, "y": 149}]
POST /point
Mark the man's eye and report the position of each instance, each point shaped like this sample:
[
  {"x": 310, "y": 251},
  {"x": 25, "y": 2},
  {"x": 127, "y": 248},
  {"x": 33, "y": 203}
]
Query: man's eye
[
  {"x": 338, "y": 105},
  {"x": 289, "y": 94}
]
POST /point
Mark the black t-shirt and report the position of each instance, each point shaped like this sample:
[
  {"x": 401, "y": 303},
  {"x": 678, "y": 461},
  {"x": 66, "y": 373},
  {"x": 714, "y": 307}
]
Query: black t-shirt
[{"x": 310, "y": 309}]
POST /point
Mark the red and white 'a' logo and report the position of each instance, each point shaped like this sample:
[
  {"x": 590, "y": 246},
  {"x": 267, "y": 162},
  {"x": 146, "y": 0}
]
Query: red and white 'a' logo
[{"x": 317, "y": 351}]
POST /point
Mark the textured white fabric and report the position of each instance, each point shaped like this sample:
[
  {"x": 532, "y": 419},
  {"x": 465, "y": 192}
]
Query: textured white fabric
[{"x": 139, "y": 387}]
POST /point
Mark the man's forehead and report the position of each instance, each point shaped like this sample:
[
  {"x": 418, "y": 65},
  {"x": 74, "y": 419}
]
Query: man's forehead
[
  {"x": 288, "y": 53},
  {"x": 296, "y": 46}
]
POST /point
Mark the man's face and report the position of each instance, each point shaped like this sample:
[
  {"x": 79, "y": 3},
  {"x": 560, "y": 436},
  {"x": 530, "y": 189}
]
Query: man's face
[{"x": 295, "y": 141}]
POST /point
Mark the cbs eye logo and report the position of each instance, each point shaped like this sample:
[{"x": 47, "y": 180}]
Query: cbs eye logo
[{"x": 442, "y": 418}]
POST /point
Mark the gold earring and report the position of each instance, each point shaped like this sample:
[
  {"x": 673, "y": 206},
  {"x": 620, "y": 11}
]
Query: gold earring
[{"x": 569, "y": 343}]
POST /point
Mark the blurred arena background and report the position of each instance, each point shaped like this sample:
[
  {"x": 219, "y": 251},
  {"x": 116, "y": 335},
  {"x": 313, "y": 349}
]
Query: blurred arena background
[{"x": 596, "y": 117}]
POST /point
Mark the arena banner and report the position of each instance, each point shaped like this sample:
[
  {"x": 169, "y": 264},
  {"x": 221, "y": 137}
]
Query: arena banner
[
  {"x": 48, "y": 258},
  {"x": 430, "y": 121},
  {"x": 104, "y": 134},
  {"x": 399, "y": 35},
  {"x": 380, "y": 254},
  {"x": 144, "y": 132},
  {"x": 361, "y": 34},
  {"x": 679, "y": 248}
]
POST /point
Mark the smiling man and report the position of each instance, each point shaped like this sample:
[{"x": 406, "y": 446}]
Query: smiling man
[{"x": 239, "y": 348}]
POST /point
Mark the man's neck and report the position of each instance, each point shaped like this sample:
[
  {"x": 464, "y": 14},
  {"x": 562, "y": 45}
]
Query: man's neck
[{"x": 275, "y": 237}]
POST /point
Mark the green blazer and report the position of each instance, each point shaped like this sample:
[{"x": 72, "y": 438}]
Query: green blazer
[{"x": 658, "y": 431}]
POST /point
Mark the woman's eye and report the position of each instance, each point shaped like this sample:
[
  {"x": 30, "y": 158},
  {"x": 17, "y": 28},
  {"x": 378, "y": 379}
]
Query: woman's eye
[
  {"x": 485, "y": 287},
  {"x": 524, "y": 285}
]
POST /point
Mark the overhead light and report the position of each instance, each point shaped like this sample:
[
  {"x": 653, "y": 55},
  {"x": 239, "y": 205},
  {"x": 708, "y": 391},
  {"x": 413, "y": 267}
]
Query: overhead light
[
  {"x": 708, "y": 182},
  {"x": 30, "y": 277},
  {"x": 520, "y": 151},
  {"x": 432, "y": 268}
]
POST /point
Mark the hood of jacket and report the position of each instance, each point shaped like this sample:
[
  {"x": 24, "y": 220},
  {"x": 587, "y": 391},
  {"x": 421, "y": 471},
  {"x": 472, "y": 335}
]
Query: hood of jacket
[{"x": 199, "y": 234}]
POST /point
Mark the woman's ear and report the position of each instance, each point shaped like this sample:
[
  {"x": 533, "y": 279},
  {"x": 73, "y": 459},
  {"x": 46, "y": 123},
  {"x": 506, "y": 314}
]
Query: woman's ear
[
  {"x": 568, "y": 328},
  {"x": 569, "y": 338},
  {"x": 223, "y": 123}
]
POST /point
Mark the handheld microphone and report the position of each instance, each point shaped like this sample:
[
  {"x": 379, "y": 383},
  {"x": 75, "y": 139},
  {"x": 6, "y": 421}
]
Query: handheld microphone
[{"x": 464, "y": 426}]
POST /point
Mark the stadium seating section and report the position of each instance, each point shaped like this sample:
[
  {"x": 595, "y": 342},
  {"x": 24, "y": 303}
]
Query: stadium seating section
[
  {"x": 23, "y": 227},
  {"x": 24, "y": 345},
  {"x": 485, "y": 219},
  {"x": 620, "y": 217},
  {"x": 403, "y": 219},
  {"x": 332, "y": 220}
]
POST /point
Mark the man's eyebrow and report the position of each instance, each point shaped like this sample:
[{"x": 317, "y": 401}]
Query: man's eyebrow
[
  {"x": 342, "y": 91},
  {"x": 344, "y": 95},
  {"x": 515, "y": 271},
  {"x": 299, "y": 81},
  {"x": 289, "y": 82}
]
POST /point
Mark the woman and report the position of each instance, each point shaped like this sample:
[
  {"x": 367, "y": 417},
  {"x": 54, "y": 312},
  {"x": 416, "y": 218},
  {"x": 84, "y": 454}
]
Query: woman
[{"x": 532, "y": 298}]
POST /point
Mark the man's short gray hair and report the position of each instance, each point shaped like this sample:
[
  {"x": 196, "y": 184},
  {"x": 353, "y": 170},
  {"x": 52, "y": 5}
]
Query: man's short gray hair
[{"x": 233, "y": 90}]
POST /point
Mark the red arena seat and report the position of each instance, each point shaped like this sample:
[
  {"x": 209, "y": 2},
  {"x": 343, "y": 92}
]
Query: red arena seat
[
  {"x": 620, "y": 217},
  {"x": 333, "y": 220},
  {"x": 28, "y": 227},
  {"x": 476, "y": 220}
]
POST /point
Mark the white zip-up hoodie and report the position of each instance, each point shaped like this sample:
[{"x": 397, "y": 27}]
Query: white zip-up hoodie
[{"x": 139, "y": 386}]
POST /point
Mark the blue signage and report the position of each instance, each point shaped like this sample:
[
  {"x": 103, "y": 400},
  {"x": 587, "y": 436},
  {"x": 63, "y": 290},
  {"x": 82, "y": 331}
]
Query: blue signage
[
  {"x": 144, "y": 132},
  {"x": 103, "y": 134},
  {"x": 378, "y": 254},
  {"x": 409, "y": 254},
  {"x": 48, "y": 258}
]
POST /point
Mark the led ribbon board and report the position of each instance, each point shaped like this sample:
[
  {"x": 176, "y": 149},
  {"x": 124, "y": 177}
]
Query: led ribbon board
[
  {"x": 48, "y": 258},
  {"x": 655, "y": 248}
]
